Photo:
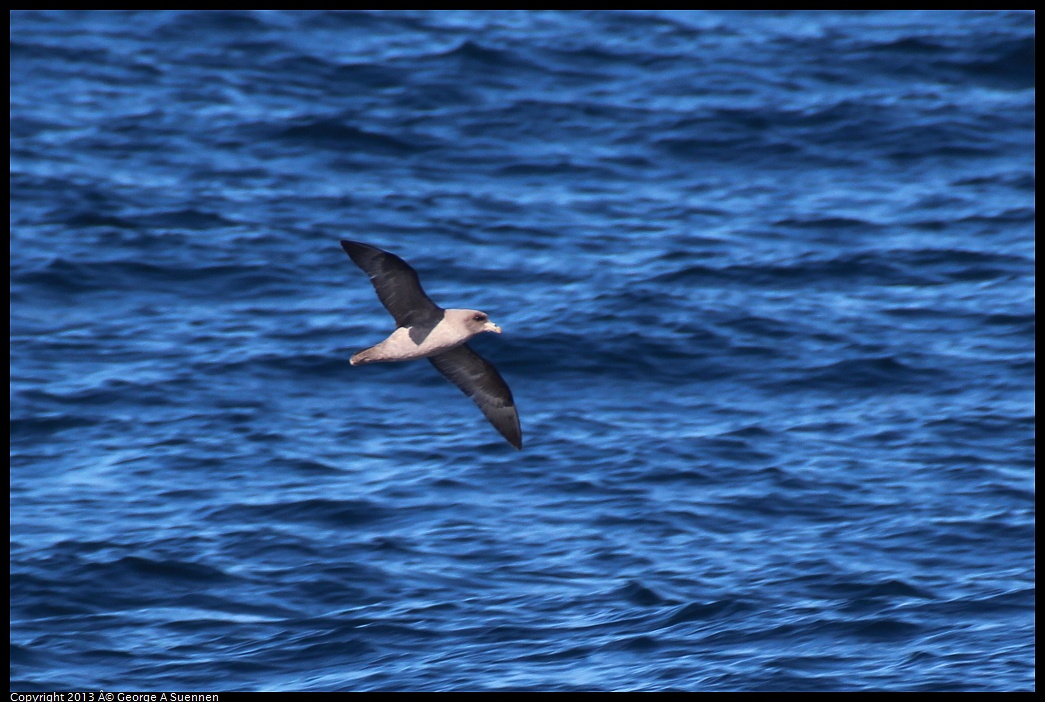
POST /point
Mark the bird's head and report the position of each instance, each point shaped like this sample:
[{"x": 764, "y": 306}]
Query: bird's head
[{"x": 478, "y": 322}]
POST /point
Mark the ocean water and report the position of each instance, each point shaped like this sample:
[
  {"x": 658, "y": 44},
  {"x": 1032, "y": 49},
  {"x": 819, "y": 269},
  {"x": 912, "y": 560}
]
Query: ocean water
[{"x": 767, "y": 289}]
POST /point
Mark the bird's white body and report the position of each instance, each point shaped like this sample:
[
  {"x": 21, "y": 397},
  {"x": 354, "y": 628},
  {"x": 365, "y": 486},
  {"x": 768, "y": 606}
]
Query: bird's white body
[{"x": 412, "y": 343}]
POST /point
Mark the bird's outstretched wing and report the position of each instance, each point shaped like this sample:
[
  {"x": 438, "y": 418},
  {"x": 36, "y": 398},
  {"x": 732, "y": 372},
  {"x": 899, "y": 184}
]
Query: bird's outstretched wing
[
  {"x": 396, "y": 284},
  {"x": 479, "y": 380}
]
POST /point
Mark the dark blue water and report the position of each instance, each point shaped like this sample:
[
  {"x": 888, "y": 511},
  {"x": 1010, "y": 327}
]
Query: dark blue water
[{"x": 767, "y": 286}]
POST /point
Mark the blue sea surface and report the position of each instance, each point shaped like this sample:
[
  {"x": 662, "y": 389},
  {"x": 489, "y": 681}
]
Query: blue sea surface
[{"x": 766, "y": 281}]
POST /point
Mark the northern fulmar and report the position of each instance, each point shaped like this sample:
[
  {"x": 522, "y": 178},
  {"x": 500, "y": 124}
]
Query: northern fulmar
[{"x": 426, "y": 330}]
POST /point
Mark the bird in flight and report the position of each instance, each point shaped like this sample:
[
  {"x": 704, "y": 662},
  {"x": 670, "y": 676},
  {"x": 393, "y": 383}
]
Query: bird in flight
[{"x": 426, "y": 330}]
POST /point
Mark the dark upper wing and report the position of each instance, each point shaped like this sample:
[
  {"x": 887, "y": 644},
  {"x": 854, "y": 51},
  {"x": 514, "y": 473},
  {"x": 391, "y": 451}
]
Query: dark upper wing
[
  {"x": 396, "y": 284},
  {"x": 479, "y": 380}
]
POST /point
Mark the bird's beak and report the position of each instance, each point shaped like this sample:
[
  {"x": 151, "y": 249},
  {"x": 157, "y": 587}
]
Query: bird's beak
[{"x": 490, "y": 326}]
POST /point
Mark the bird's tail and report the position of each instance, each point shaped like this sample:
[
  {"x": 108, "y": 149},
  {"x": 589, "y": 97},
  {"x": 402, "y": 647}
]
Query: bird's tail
[{"x": 363, "y": 357}]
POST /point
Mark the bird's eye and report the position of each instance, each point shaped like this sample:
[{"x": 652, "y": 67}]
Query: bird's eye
[{"x": 479, "y": 317}]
